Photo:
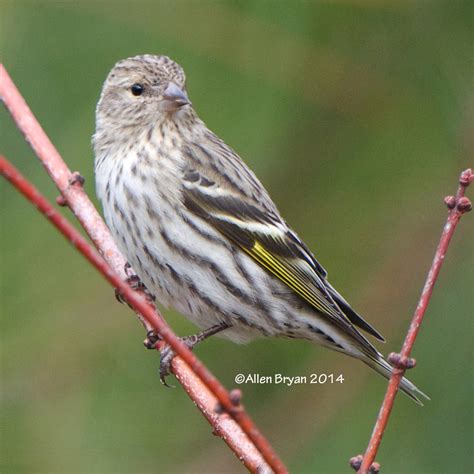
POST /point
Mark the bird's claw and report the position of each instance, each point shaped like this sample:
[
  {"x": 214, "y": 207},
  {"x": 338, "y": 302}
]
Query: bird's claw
[
  {"x": 167, "y": 356},
  {"x": 151, "y": 339},
  {"x": 133, "y": 280},
  {"x": 167, "y": 353}
]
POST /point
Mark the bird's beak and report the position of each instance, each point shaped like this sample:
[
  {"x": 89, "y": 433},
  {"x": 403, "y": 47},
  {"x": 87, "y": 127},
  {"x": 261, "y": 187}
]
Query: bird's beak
[{"x": 173, "y": 98}]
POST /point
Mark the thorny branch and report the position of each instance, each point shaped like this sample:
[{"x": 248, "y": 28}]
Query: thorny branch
[
  {"x": 457, "y": 205},
  {"x": 223, "y": 410}
]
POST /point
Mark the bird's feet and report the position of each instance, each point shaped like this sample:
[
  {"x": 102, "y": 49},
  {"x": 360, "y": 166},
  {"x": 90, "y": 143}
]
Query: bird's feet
[
  {"x": 167, "y": 354},
  {"x": 133, "y": 280}
]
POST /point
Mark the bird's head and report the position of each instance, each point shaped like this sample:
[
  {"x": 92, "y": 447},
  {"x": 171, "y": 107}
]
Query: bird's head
[{"x": 142, "y": 90}]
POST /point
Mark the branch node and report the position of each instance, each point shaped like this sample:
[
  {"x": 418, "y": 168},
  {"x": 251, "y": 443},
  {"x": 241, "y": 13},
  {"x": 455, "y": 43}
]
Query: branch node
[
  {"x": 400, "y": 361},
  {"x": 355, "y": 462},
  {"x": 235, "y": 396},
  {"x": 466, "y": 178},
  {"x": 464, "y": 204},
  {"x": 374, "y": 468},
  {"x": 76, "y": 179},
  {"x": 61, "y": 201},
  {"x": 450, "y": 202}
]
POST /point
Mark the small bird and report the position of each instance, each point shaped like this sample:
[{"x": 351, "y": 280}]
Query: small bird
[{"x": 201, "y": 231}]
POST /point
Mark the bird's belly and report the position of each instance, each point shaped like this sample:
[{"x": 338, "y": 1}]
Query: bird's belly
[
  {"x": 188, "y": 265},
  {"x": 191, "y": 267}
]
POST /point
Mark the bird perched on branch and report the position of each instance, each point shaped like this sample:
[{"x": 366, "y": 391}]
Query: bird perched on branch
[{"x": 201, "y": 231}]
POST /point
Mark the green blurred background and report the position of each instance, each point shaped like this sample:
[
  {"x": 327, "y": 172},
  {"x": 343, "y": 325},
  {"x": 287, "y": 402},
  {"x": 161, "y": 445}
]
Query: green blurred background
[{"x": 357, "y": 117}]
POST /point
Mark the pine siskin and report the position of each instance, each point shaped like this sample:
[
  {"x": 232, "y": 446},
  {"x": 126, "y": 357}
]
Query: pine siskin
[{"x": 199, "y": 228}]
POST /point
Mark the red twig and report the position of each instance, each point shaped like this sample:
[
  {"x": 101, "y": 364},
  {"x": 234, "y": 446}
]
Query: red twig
[
  {"x": 206, "y": 391},
  {"x": 457, "y": 205},
  {"x": 202, "y": 396}
]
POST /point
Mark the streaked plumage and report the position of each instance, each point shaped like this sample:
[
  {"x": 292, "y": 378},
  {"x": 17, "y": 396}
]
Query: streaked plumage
[{"x": 199, "y": 228}]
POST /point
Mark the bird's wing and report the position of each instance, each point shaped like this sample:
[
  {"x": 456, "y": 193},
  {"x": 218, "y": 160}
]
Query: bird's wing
[
  {"x": 355, "y": 318},
  {"x": 263, "y": 235}
]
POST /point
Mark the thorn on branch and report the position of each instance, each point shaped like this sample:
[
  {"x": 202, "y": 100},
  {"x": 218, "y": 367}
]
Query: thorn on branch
[{"x": 400, "y": 361}]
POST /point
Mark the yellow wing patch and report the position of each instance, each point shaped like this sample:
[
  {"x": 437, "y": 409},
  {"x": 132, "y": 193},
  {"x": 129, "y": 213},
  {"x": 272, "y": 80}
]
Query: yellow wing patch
[{"x": 288, "y": 276}]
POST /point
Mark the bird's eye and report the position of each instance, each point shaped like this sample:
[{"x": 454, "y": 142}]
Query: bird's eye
[{"x": 137, "y": 89}]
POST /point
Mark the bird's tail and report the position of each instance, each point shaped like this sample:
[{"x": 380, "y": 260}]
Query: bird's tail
[{"x": 381, "y": 366}]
